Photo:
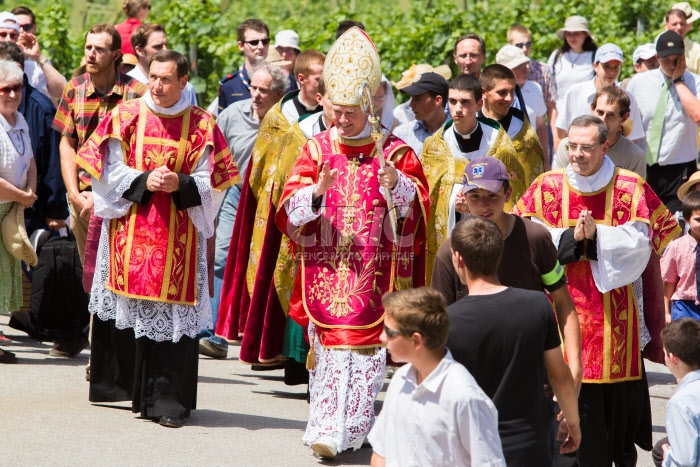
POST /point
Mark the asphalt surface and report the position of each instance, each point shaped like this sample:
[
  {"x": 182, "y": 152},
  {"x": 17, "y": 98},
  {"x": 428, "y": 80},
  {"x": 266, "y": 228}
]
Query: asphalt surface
[{"x": 243, "y": 417}]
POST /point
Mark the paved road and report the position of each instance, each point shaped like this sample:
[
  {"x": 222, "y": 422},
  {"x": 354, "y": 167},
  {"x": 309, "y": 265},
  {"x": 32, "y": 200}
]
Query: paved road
[{"x": 243, "y": 417}]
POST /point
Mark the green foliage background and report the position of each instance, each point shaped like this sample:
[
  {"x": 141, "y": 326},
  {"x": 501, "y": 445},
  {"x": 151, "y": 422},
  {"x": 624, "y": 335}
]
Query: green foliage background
[{"x": 404, "y": 31}]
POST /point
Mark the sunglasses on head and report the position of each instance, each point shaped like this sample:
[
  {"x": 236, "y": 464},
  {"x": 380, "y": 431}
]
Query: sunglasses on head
[
  {"x": 13, "y": 35},
  {"x": 17, "y": 88},
  {"x": 26, "y": 27},
  {"x": 255, "y": 42}
]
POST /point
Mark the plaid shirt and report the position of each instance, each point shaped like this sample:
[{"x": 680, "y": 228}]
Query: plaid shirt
[
  {"x": 542, "y": 74},
  {"x": 82, "y": 108}
]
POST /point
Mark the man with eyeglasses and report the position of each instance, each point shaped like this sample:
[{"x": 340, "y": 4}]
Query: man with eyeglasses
[
  {"x": 253, "y": 40},
  {"x": 607, "y": 65},
  {"x": 470, "y": 54},
  {"x": 670, "y": 112},
  {"x": 21, "y": 30},
  {"x": 605, "y": 223}
]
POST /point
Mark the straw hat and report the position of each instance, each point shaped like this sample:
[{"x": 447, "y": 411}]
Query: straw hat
[
  {"x": 274, "y": 58},
  {"x": 573, "y": 24},
  {"x": 687, "y": 186},
  {"x": 14, "y": 236},
  {"x": 414, "y": 73}
]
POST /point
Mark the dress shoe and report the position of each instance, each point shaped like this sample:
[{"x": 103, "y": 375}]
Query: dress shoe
[
  {"x": 7, "y": 357},
  {"x": 69, "y": 348},
  {"x": 209, "y": 349},
  {"x": 170, "y": 422}
]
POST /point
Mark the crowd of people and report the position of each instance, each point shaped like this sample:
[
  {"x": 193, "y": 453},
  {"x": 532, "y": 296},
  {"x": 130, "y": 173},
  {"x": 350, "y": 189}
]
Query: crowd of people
[{"x": 519, "y": 236}]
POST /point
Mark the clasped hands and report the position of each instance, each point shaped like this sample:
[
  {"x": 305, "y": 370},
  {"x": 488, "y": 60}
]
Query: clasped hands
[
  {"x": 163, "y": 179},
  {"x": 388, "y": 178},
  {"x": 585, "y": 227}
]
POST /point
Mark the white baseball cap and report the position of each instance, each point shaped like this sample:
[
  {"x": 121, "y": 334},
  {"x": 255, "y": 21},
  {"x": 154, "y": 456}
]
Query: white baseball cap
[
  {"x": 607, "y": 53},
  {"x": 644, "y": 52},
  {"x": 287, "y": 38},
  {"x": 511, "y": 56},
  {"x": 9, "y": 21}
]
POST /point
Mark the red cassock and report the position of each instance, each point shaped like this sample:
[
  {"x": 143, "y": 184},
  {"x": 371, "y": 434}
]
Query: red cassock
[{"x": 347, "y": 257}]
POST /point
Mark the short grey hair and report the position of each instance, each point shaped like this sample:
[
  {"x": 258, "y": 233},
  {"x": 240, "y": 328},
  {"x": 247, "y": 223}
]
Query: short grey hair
[
  {"x": 10, "y": 71},
  {"x": 280, "y": 78},
  {"x": 591, "y": 120}
]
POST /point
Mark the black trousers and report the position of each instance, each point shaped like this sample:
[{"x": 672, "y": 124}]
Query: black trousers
[
  {"x": 614, "y": 417},
  {"x": 160, "y": 378},
  {"x": 665, "y": 180}
]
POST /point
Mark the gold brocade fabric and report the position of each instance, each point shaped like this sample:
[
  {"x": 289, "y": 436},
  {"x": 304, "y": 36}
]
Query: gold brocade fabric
[
  {"x": 265, "y": 159},
  {"x": 286, "y": 267},
  {"x": 443, "y": 171},
  {"x": 529, "y": 151}
]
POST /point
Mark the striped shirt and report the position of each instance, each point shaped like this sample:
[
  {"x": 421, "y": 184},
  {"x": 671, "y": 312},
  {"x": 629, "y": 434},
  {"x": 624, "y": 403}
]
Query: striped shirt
[
  {"x": 82, "y": 108},
  {"x": 542, "y": 75}
]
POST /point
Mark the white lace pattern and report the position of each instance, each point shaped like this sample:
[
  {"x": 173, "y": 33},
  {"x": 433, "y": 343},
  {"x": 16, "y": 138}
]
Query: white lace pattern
[
  {"x": 343, "y": 387},
  {"x": 644, "y": 335},
  {"x": 159, "y": 321}
]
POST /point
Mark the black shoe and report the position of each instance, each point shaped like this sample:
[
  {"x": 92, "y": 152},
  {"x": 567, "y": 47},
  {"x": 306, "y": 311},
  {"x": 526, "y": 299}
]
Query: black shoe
[
  {"x": 276, "y": 366},
  {"x": 70, "y": 348},
  {"x": 170, "y": 422},
  {"x": 7, "y": 357}
]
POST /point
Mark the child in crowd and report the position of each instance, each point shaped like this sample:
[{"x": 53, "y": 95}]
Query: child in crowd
[
  {"x": 434, "y": 412},
  {"x": 681, "y": 340},
  {"x": 679, "y": 264}
]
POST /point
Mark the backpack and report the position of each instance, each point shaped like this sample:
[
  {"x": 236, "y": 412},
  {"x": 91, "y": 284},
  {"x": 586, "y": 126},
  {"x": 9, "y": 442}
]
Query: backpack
[{"x": 58, "y": 301}]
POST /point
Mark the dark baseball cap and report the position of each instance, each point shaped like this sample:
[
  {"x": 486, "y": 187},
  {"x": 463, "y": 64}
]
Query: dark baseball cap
[
  {"x": 669, "y": 43},
  {"x": 428, "y": 82},
  {"x": 484, "y": 172}
]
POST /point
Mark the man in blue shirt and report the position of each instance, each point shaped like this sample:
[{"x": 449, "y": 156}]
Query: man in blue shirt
[
  {"x": 253, "y": 40},
  {"x": 428, "y": 99}
]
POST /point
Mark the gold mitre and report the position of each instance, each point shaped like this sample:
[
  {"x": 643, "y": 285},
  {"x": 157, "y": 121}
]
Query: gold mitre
[{"x": 351, "y": 61}]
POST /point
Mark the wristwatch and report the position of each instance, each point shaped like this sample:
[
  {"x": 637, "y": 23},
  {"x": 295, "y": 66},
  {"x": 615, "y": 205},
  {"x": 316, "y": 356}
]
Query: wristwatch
[{"x": 680, "y": 79}]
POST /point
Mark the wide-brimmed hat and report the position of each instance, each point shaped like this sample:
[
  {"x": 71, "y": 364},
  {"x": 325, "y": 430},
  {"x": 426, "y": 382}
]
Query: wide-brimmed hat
[
  {"x": 414, "y": 73},
  {"x": 511, "y": 56},
  {"x": 690, "y": 14},
  {"x": 573, "y": 24},
  {"x": 685, "y": 188},
  {"x": 129, "y": 59},
  {"x": 274, "y": 58},
  {"x": 14, "y": 236}
]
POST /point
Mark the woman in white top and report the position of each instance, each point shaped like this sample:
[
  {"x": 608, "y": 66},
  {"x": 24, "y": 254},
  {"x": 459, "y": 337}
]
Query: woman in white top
[
  {"x": 573, "y": 62},
  {"x": 17, "y": 181}
]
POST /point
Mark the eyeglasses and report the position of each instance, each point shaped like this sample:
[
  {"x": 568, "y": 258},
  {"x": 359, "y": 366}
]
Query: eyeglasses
[
  {"x": 585, "y": 148},
  {"x": 520, "y": 45},
  {"x": 13, "y": 35},
  {"x": 26, "y": 27},
  {"x": 390, "y": 333},
  {"x": 148, "y": 7},
  {"x": 255, "y": 42},
  {"x": 17, "y": 88}
]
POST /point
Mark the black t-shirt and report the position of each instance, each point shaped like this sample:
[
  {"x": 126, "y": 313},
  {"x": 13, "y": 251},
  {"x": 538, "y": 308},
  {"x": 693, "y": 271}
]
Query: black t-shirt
[
  {"x": 528, "y": 255},
  {"x": 501, "y": 339}
]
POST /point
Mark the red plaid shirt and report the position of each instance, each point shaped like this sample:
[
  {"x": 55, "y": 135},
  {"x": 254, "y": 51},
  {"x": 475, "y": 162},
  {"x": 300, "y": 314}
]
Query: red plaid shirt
[
  {"x": 542, "y": 74},
  {"x": 82, "y": 108}
]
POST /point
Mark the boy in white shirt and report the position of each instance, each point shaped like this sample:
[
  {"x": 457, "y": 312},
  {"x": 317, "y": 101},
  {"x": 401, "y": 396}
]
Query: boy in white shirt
[{"x": 434, "y": 412}]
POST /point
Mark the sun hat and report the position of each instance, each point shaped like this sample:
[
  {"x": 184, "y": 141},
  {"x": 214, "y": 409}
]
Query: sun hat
[
  {"x": 573, "y": 24},
  {"x": 511, "y": 56}
]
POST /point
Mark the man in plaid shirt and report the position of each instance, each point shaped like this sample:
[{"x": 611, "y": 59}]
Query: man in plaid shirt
[{"x": 86, "y": 101}]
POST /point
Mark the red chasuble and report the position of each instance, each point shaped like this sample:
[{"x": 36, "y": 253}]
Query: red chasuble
[
  {"x": 610, "y": 347},
  {"x": 348, "y": 260},
  {"x": 153, "y": 247}
]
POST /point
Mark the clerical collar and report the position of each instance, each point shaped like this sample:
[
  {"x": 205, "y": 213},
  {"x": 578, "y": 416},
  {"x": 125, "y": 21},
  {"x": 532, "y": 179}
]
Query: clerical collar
[
  {"x": 304, "y": 109},
  {"x": 470, "y": 142},
  {"x": 321, "y": 123},
  {"x": 594, "y": 182},
  {"x": 363, "y": 134},
  {"x": 179, "y": 106}
]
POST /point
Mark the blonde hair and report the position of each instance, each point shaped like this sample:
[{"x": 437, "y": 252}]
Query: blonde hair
[
  {"x": 420, "y": 310},
  {"x": 131, "y": 7},
  {"x": 10, "y": 71}
]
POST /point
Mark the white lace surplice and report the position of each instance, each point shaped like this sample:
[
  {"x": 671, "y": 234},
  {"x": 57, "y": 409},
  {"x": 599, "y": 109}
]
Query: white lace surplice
[
  {"x": 343, "y": 387},
  {"x": 159, "y": 321}
]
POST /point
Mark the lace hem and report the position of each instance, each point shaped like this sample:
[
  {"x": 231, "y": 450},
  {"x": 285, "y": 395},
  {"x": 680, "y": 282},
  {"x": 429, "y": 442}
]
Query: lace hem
[
  {"x": 299, "y": 207},
  {"x": 201, "y": 215},
  {"x": 402, "y": 194},
  {"x": 112, "y": 205},
  {"x": 343, "y": 387},
  {"x": 644, "y": 335},
  {"x": 159, "y": 321}
]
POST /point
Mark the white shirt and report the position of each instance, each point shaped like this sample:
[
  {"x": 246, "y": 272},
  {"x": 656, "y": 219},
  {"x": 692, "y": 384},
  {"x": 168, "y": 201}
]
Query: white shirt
[
  {"x": 36, "y": 77},
  {"x": 403, "y": 113},
  {"x": 571, "y": 68},
  {"x": 577, "y": 102},
  {"x": 679, "y": 138},
  {"x": 447, "y": 420},
  {"x": 188, "y": 92},
  {"x": 15, "y": 152},
  {"x": 534, "y": 100}
]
